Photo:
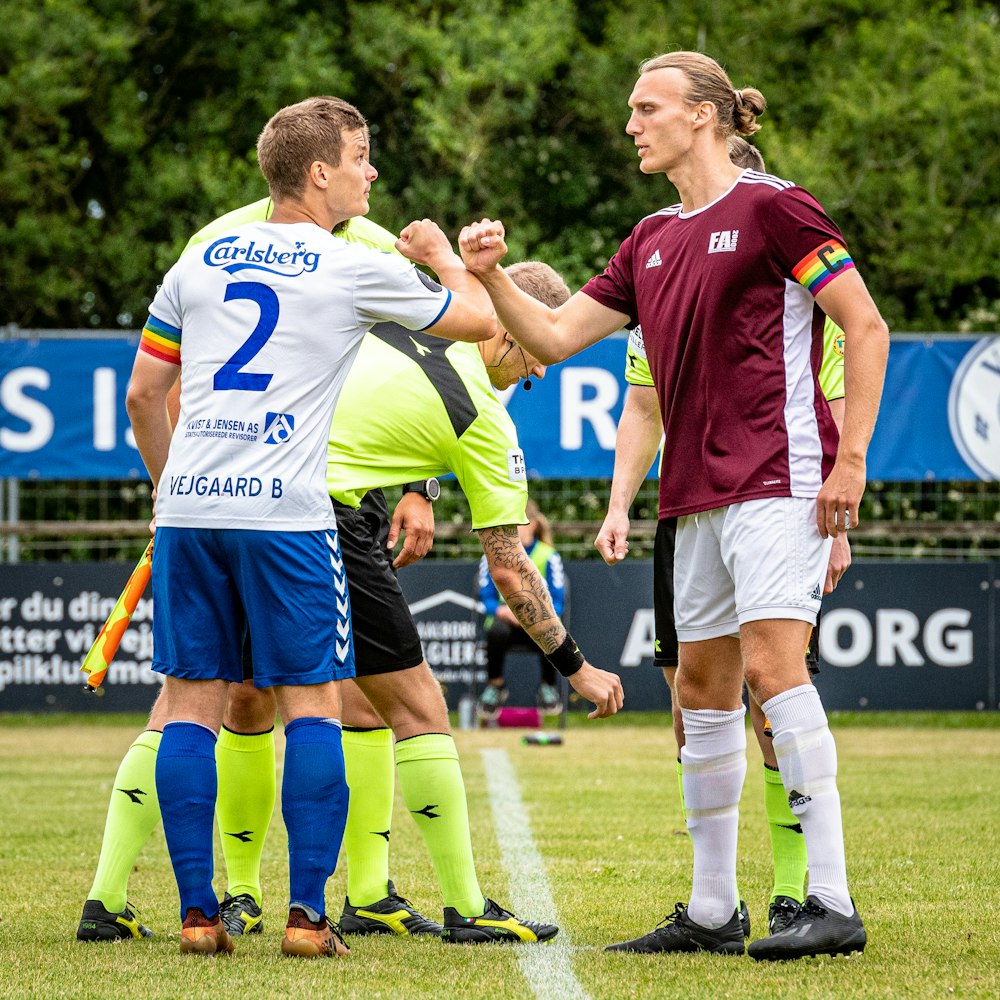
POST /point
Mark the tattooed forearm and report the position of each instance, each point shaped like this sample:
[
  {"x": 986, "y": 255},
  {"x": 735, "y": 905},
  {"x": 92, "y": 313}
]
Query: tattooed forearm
[
  {"x": 527, "y": 608},
  {"x": 518, "y": 580},
  {"x": 502, "y": 546},
  {"x": 550, "y": 636}
]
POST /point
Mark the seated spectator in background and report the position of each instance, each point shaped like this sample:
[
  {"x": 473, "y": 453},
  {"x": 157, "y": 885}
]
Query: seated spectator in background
[{"x": 504, "y": 632}]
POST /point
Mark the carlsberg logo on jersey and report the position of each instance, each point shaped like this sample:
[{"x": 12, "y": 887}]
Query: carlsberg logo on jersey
[{"x": 232, "y": 255}]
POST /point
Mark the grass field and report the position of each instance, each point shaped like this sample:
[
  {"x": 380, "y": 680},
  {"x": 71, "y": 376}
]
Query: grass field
[{"x": 921, "y": 802}]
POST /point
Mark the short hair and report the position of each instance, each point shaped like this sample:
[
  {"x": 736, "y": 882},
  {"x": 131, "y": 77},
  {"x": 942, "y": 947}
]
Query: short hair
[
  {"x": 543, "y": 527},
  {"x": 540, "y": 281},
  {"x": 744, "y": 154},
  {"x": 300, "y": 134},
  {"x": 736, "y": 110}
]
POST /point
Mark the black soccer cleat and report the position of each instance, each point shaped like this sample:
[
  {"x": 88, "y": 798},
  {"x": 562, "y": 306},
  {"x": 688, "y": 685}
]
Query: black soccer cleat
[
  {"x": 241, "y": 915},
  {"x": 392, "y": 915},
  {"x": 494, "y": 924},
  {"x": 100, "y": 924},
  {"x": 813, "y": 930},
  {"x": 677, "y": 932},
  {"x": 781, "y": 912},
  {"x": 744, "y": 914}
]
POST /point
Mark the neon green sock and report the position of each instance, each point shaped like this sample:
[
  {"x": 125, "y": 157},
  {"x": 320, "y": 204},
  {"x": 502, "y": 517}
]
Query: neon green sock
[
  {"x": 788, "y": 846},
  {"x": 244, "y": 805},
  {"x": 371, "y": 777},
  {"x": 680, "y": 788},
  {"x": 133, "y": 812},
  {"x": 431, "y": 780}
]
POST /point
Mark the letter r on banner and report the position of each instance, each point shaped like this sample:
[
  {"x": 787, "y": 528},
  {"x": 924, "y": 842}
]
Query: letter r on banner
[{"x": 596, "y": 409}]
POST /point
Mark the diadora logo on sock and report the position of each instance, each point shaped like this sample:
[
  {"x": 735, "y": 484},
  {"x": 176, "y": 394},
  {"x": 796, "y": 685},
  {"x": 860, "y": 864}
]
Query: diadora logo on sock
[
  {"x": 278, "y": 427},
  {"x": 654, "y": 261},
  {"x": 427, "y": 811}
]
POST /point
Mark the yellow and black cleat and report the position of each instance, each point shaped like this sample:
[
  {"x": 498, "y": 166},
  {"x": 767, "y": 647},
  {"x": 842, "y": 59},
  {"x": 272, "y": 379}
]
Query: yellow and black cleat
[
  {"x": 494, "y": 924},
  {"x": 101, "y": 924},
  {"x": 391, "y": 915},
  {"x": 241, "y": 915}
]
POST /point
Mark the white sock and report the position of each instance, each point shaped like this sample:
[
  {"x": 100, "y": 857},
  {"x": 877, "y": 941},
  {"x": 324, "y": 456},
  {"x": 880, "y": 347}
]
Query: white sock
[
  {"x": 807, "y": 760},
  {"x": 714, "y": 764}
]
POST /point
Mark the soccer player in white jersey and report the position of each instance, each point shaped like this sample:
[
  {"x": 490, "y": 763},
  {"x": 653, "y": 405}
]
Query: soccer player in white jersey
[
  {"x": 732, "y": 288},
  {"x": 262, "y": 326}
]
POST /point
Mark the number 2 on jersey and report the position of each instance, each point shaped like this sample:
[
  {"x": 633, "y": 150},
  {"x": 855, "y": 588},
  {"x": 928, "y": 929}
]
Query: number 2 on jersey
[{"x": 230, "y": 375}]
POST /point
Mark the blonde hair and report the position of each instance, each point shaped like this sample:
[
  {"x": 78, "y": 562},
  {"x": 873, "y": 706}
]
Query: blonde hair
[
  {"x": 540, "y": 281},
  {"x": 744, "y": 154},
  {"x": 735, "y": 110},
  {"x": 543, "y": 529},
  {"x": 300, "y": 134}
]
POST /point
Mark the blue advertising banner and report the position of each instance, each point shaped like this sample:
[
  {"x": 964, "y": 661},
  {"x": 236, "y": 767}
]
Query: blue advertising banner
[
  {"x": 62, "y": 411},
  {"x": 894, "y": 635}
]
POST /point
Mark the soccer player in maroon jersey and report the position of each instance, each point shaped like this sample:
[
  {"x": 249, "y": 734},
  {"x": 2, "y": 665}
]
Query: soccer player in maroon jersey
[{"x": 732, "y": 287}]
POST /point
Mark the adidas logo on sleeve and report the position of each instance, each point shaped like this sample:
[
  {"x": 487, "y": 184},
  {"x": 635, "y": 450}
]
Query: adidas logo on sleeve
[{"x": 654, "y": 261}]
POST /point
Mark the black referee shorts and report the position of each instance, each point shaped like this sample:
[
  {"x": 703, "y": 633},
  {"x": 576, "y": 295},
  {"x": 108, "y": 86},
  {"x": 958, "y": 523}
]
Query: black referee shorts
[
  {"x": 385, "y": 635},
  {"x": 665, "y": 653}
]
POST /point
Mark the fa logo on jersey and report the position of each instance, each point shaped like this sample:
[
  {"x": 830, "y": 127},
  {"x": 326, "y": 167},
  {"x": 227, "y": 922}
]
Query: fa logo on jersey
[
  {"x": 278, "y": 427},
  {"x": 724, "y": 241},
  {"x": 655, "y": 260}
]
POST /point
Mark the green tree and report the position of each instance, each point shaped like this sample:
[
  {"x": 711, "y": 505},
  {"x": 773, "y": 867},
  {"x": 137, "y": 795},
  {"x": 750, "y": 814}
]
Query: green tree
[{"x": 124, "y": 126}]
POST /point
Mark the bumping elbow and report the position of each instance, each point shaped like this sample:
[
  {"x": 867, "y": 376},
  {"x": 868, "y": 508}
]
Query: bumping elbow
[{"x": 489, "y": 328}]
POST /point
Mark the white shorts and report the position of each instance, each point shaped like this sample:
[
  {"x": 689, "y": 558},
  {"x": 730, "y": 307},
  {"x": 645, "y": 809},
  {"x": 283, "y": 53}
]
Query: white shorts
[{"x": 750, "y": 561}]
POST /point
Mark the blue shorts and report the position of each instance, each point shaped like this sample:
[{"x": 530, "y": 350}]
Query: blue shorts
[{"x": 288, "y": 588}]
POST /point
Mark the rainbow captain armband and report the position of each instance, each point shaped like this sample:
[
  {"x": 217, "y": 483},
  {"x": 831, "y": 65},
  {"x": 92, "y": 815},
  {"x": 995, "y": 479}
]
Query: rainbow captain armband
[
  {"x": 820, "y": 267},
  {"x": 161, "y": 340}
]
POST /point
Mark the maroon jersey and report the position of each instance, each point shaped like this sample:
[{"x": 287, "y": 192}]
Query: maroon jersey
[{"x": 734, "y": 340}]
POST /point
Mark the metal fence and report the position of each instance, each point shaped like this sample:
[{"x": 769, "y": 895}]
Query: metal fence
[{"x": 88, "y": 520}]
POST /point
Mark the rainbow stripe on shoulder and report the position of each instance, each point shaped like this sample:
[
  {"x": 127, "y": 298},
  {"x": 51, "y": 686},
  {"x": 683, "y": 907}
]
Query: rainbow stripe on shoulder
[
  {"x": 820, "y": 267},
  {"x": 161, "y": 340}
]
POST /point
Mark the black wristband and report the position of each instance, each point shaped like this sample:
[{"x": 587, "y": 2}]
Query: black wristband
[{"x": 567, "y": 659}]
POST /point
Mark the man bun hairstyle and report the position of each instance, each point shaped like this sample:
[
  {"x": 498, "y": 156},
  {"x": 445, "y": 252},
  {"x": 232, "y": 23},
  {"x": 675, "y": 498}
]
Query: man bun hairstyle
[
  {"x": 735, "y": 110},
  {"x": 540, "y": 281},
  {"x": 744, "y": 154},
  {"x": 300, "y": 134},
  {"x": 748, "y": 102}
]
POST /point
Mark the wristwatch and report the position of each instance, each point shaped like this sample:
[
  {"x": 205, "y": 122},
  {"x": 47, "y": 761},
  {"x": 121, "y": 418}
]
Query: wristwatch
[{"x": 429, "y": 489}]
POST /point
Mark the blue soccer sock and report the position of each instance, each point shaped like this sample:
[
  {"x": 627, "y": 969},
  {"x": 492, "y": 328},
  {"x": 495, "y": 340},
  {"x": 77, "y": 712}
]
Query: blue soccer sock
[
  {"x": 314, "y": 806},
  {"x": 186, "y": 785}
]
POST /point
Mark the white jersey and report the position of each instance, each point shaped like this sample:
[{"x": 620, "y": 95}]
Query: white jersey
[{"x": 268, "y": 320}]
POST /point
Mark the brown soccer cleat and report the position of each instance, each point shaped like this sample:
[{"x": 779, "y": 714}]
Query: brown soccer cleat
[
  {"x": 306, "y": 937},
  {"x": 202, "y": 936}
]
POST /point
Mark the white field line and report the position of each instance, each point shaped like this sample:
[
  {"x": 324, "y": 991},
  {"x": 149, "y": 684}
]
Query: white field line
[{"x": 547, "y": 968}]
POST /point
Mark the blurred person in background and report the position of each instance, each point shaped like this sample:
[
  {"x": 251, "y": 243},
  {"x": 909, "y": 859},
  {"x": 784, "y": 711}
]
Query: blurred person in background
[{"x": 504, "y": 632}]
